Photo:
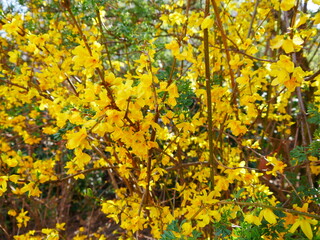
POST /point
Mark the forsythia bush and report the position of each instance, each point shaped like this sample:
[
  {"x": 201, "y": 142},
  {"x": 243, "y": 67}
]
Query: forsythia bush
[{"x": 160, "y": 120}]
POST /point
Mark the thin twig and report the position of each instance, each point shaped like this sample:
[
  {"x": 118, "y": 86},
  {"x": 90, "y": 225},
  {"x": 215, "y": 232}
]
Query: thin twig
[
  {"x": 253, "y": 17},
  {"x": 5, "y": 231},
  {"x": 252, "y": 57},
  {"x": 225, "y": 44},
  {"x": 110, "y": 173},
  {"x": 313, "y": 76},
  {"x": 79, "y": 173},
  {"x": 104, "y": 40},
  {"x": 72, "y": 86}
]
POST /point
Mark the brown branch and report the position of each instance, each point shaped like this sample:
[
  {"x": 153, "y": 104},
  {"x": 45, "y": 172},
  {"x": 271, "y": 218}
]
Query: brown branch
[
  {"x": 236, "y": 50},
  {"x": 185, "y": 165},
  {"x": 213, "y": 167},
  {"x": 5, "y": 232},
  {"x": 104, "y": 40},
  {"x": 146, "y": 196},
  {"x": 79, "y": 173},
  {"x": 252, "y": 57},
  {"x": 313, "y": 76},
  {"x": 253, "y": 17},
  {"x": 110, "y": 173},
  {"x": 27, "y": 89},
  {"x": 224, "y": 41},
  {"x": 72, "y": 86}
]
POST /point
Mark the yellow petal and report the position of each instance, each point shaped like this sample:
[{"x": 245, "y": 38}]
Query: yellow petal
[
  {"x": 14, "y": 178},
  {"x": 216, "y": 215},
  {"x": 12, "y": 212},
  {"x": 306, "y": 228},
  {"x": 288, "y": 46},
  {"x": 207, "y": 23},
  {"x": 248, "y": 218},
  {"x": 276, "y": 42},
  {"x": 317, "y": 18},
  {"x": 302, "y": 20},
  {"x": 297, "y": 40},
  {"x": 286, "y": 63},
  {"x": 286, "y": 5},
  {"x": 76, "y": 139},
  {"x": 294, "y": 226},
  {"x": 13, "y": 56},
  {"x": 252, "y": 219},
  {"x": 269, "y": 215}
]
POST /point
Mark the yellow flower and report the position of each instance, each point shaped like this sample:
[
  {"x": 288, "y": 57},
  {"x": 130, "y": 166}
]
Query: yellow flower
[
  {"x": 237, "y": 128},
  {"x": 315, "y": 168},
  {"x": 268, "y": 215},
  {"x": 186, "y": 228},
  {"x": 207, "y": 23},
  {"x": 177, "y": 18},
  {"x": 287, "y": 43},
  {"x": 3, "y": 184},
  {"x": 301, "y": 20},
  {"x": 296, "y": 79},
  {"x": 12, "y": 212},
  {"x": 282, "y": 69},
  {"x": 277, "y": 166},
  {"x": 173, "y": 46},
  {"x": 289, "y": 219},
  {"x": 304, "y": 224},
  {"x": 10, "y": 161},
  {"x": 92, "y": 62},
  {"x": 13, "y": 56},
  {"x": 14, "y": 178},
  {"x": 14, "y": 27},
  {"x": 60, "y": 226},
  {"x": 124, "y": 170},
  {"x": 252, "y": 219},
  {"x": 32, "y": 189},
  {"x": 22, "y": 219},
  {"x": 76, "y": 139}
]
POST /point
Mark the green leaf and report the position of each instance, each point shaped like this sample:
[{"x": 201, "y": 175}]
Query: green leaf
[
  {"x": 173, "y": 226},
  {"x": 298, "y": 155},
  {"x": 314, "y": 114}
]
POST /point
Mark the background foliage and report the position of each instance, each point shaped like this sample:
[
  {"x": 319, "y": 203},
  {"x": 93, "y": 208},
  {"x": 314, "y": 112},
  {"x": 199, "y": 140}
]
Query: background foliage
[{"x": 159, "y": 119}]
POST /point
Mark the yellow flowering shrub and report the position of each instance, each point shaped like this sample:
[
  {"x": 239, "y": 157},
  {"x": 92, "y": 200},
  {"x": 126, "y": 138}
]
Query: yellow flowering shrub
[{"x": 159, "y": 119}]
